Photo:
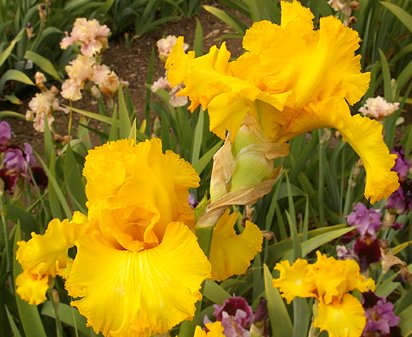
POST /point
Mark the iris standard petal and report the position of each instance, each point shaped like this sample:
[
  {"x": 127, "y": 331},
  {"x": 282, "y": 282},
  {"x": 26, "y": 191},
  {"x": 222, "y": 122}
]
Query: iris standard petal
[{"x": 147, "y": 190}]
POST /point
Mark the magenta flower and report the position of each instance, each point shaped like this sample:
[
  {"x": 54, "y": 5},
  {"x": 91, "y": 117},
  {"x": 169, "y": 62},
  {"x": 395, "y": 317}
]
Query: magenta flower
[
  {"x": 236, "y": 316},
  {"x": 366, "y": 221},
  {"x": 367, "y": 251},
  {"x": 400, "y": 201},
  {"x": 401, "y": 164},
  {"x": 5, "y": 135},
  {"x": 380, "y": 317},
  {"x": 14, "y": 161}
]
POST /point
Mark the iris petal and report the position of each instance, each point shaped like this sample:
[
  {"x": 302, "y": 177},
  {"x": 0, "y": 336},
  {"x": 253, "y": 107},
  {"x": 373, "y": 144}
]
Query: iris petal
[
  {"x": 125, "y": 293},
  {"x": 345, "y": 318},
  {"x": 230, "y": 254}
]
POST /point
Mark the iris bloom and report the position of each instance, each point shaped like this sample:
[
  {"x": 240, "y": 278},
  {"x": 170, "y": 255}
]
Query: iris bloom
[
  {"x": 91, "y": 36},
  {"x": 329, "y": 281},
  {"x": 138, "y": 267},
  {"x": 291, "y": 79}
]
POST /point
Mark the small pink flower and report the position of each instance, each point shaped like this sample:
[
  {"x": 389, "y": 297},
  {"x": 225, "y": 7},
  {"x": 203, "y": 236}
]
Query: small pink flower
[
  {"x": 71, "y": 90},
  {"x": 91, "y": 36},
  {"x": 106, "y": 79},
  {"x": 165, "y": 45},
  {"x": 161, "y": 83},
  {"x": 175, "y": 100},
  {"x": 81, "y": 68},
  {"x": 378, "y": 108}
]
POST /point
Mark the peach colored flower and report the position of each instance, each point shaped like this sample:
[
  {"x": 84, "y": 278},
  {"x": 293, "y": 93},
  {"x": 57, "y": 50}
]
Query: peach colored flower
[{"x": 91, "y": 36}]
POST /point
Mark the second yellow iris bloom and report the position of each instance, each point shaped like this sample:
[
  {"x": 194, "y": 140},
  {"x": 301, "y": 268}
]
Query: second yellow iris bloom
[{"x": 291, "y": 79}]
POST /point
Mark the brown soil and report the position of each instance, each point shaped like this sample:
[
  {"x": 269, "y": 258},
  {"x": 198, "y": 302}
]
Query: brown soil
[{"x": 131, "y": 63}]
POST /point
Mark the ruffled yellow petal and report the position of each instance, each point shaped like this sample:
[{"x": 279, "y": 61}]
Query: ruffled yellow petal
[
  {"x": 47, "y": 253},
  {"x": 341, "y": 319},
  {"x": 260, "y": 36},
  {"x": 146, "y": 190},
  {"x": 365, "y": 137},
  {"x": 197, "y": 73},
  {"x": 215, "y": 329},
  {"x": 294, "y": 13},
  {"x": 293, "y": 280},
  {"x": 125, "y": 293},
  {"x": 32, "y": 287},
  {"x": 236, "y": 111},
  {"x": 177, "y": 63},
  {"x": 341, "y": 71},
  {"x": 230, "y": 254},
  {"x": 334, "y": 278}
]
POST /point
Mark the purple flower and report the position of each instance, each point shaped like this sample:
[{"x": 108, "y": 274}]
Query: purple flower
[
  {"x": 379, "y": 315},
  {"x": 192, "y": 200},
  {"x": 261, "y": 317},
  {"x": 368, "y": 251},
  {"x": 344, "y": 253},
  {"x": 396, "y": 202},
  {"x": 400, "y": 201},
  {"x": 401, "y": 164},
  {"x": 366, "y": 221},
  {"x": 9, "y": 180},
  {"x": 14, "y": 161},
  {"x": 236, "y": 316},
  {"x": 5, "y": 134},
  {"x": 28, "y": 154}
]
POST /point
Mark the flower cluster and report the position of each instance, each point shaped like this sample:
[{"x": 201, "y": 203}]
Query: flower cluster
[
  {"x": 16, "y": 162},
  {"x": 271, "y": 87},
  {"x": 329, "y": 281},
  {"x": 86, "y": 68},
  {"x": 235, "y": 318},
  {"x": 378, "y": 108},
  {"x": 164, "y": 48},
  {"x": 43, "y": 104}
]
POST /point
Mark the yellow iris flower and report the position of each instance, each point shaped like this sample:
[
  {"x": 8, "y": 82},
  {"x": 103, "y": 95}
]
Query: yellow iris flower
[
  {"x": 329, "y": 281},
  {"x": 138, "y": 267},
  {"x": 291, "y": 79}
]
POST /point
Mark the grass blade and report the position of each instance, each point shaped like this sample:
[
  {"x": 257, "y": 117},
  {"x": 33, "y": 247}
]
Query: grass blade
[{"x": 278, "y": 315}]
